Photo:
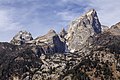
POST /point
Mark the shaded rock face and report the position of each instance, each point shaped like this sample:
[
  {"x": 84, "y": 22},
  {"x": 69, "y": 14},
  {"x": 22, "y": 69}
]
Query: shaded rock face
[
  {"x": 51, "y": 42},
  {"x": 81, "y": 29},
  {"x": 21, "y": 38}
]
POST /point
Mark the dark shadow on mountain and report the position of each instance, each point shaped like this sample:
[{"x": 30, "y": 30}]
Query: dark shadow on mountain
[{"x": 59, "y": 45}]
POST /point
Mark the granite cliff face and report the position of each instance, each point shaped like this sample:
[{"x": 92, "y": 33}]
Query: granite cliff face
[
  {"x": 95, "y": 53},
  {"x": 81, "y": 29}
]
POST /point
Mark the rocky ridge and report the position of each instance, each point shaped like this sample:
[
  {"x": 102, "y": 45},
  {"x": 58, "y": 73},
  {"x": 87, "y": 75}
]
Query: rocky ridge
[
  {"x": 97, "y": 57},
  {"x": 52, "y": 41}
]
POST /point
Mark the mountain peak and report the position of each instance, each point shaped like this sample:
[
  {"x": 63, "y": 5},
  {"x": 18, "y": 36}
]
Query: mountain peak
[
  {"x": 91, "y": 11},
  {"x": 21, "y": 37},
  {"x": 82, "y": 28},
  {"x": 51, "y": 31}
]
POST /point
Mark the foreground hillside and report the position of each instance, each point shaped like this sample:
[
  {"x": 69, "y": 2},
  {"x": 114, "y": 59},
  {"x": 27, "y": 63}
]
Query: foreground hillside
[{"x": 101, "y": 62}]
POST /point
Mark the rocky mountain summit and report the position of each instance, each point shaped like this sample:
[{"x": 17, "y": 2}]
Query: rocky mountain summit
[
  {"x": 81, "y": 29},
  {"x": 84, "y": 52},
  {"x": 21, "y": 38}
]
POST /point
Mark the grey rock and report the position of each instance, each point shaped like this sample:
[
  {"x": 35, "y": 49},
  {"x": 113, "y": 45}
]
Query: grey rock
[
  {"x": 115, "y": 29},
  {"x": 63, "y": 33},
  {"x": 21, "y": 37},
  {"x": 81, "y": 29},
  {"x": 51, "y": 42},
  {"x": 104, "y": 28}
]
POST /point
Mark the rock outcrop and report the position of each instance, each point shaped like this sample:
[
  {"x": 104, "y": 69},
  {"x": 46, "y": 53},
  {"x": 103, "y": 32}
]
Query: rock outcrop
[
  {"x": 115, "y": 29},
  {"x": 104, "y": 28},
  {"x": 81, "y": 29},
  {"x": 21, "y": 38},
  {"x": 51, "y": 42},
  {"x": 63, "y": 33}
]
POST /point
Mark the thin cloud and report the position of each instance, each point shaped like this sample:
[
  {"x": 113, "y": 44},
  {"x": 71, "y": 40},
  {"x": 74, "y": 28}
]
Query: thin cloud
[
  {"x": 7, "y": 26},
  {"x": 73, "y": 9},
  {"x": 66, "y": 15},
  {"x": 6, "y": 23}
]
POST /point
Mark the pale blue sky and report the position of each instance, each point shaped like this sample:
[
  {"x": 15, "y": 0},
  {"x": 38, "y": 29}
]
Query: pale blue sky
[{"x": 39, "y": 16}]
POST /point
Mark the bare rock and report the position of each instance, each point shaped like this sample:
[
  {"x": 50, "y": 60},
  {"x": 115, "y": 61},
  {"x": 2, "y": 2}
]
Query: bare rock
[
  {"x": 115, "y": 29},
  {"x": 21, "y": 38},
  {"x": 81, "y": 29},
  {"x": 51, "y": 42}
]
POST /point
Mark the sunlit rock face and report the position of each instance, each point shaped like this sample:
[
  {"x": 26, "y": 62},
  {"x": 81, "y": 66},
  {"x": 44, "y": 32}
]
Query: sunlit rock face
[
  {"x": 21, "y": 37},
  {"x": 81, "y": 29}
]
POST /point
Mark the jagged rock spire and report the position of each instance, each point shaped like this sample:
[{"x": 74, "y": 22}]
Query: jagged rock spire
[
  {"x": 81, "y": 28},
  {"x": 63, "y": 33}
]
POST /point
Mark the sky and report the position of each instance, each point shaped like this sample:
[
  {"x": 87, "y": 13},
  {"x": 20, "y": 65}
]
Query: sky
[{"x": 39, "y": 16}]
